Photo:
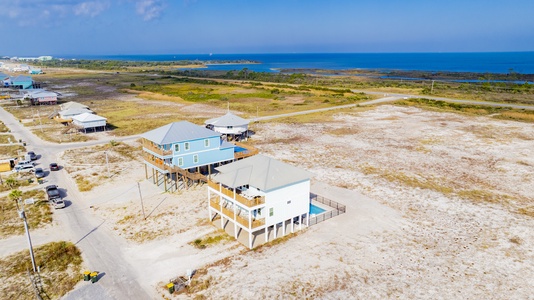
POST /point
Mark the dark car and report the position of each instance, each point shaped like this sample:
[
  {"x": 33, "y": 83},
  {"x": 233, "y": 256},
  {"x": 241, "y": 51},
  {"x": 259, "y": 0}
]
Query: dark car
[
  {"x": 52, "y": 192},
  {"x": 54, "y": 167},
  {"x": 39, "y": 173},
  {"x": 32, "y": 155}
]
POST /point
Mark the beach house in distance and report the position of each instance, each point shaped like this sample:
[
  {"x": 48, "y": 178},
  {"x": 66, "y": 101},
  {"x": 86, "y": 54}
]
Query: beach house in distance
[
  {"x": 186, "y": 152},
  {"x": 231, "y": 126},
  {"x": 259, "y": 195}
]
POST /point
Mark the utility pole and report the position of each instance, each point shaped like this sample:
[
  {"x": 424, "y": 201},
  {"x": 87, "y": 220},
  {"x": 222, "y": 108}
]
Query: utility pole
[
  {"x": 432, "y": 88},
  {"x": 140, "y": 196},
  {"x": 22, "y": 215}
]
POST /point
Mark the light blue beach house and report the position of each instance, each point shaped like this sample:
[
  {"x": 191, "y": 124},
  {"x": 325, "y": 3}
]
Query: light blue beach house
[
  {"x": 22, "y": 82},
  {"x": 183, "y": 151}
]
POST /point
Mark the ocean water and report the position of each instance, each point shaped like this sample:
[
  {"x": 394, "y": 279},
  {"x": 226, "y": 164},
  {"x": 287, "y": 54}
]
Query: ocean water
[{"x": 484, "y": 62}]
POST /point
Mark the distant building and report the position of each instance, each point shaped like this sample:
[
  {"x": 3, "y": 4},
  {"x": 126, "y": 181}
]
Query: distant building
[
  {"x": 40, "y": 96},
  {"x": 230, "y": 125},
  {"x": 69, "y": 113},
  {"x": 73, "y": 105},
  {"x": 89, "y": 121},
  {"x": 259, "y": 195},
  {"x": 35, "y": 71},
  {"x": 22, "y": 82}
]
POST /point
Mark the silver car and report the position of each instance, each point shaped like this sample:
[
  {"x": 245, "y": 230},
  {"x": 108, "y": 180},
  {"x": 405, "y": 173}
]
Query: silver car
[{"x": 58, "y": 203}]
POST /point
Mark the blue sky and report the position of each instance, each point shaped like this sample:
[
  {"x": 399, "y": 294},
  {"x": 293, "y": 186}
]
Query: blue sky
[{"x": 106, "y": 27}]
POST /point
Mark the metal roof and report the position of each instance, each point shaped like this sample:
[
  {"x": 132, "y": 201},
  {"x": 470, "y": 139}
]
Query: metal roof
[
  {"x": 72, "y": 105},
  {"x": 88, "y": 117},
  {"x": 260, "y": 171},
  {"x": 74, "y": 111},
  {"x": 178, "y": 132},
  {"x": 22, "y": 78},
  {"x": 227, "y": 120}
]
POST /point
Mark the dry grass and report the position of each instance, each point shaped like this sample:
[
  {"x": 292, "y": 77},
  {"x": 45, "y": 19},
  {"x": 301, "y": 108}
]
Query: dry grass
[
  {"x": 37, "y": 214},
  {"x": 60, "y": 270},
  {"x": 7, "y": 138},
  {"x": 211, "y": 239},
  {"x": 12, "y": 150}
]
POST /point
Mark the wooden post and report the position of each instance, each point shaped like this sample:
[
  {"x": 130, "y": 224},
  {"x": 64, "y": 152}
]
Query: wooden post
[
  {"x": 146, "y": 172},
  {"x": 153, "y": 176},
  {"x": 165, "y": 182},
  {"x": 157, "y": 178}
]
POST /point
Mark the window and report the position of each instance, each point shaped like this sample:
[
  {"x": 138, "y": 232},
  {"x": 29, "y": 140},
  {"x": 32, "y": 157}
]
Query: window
[
  {"x": 177, "y": 148},
  {"x": 186, "y": 146},
  {"x": 271, "y": 211},
  {"x": 195, "y": 158},
  {"x": 206, "y": 143},
  {"x": 180, "y": 161}
]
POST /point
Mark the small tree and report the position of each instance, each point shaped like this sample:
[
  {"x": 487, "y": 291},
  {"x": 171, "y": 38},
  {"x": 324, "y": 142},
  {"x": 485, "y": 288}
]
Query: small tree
[
  {"x": 15, "y": 195},
  {"x": 11, "y": 182}
]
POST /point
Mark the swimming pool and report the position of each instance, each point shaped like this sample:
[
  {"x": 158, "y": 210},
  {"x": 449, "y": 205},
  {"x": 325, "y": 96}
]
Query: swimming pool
[
  {"x": 316, "y": 210},
  {"x": 239, "y": 149}
]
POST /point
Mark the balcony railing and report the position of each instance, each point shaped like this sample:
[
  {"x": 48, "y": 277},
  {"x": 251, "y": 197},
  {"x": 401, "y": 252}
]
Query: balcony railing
[
  {"x": 230, "y": 214},
  {"x": 230, "y": 194},
  {"x": 154, "y": 148}
]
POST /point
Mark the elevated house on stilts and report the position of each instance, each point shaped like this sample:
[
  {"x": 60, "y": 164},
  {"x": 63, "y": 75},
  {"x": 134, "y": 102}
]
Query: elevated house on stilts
[
  {"x": 258, "y": 199},
  {"x": 180, "y": 154},
  {"x": 231, "y": 126}
]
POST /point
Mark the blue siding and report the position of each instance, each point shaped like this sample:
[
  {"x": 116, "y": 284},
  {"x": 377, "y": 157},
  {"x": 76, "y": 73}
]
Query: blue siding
[
  {"x": 206, "y": 154},
  {"x": 24, "y": 84}
]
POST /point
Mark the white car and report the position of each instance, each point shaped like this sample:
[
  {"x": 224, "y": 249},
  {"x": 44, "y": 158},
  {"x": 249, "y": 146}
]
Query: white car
[
  {"x": 24, "y": 162},
  {"x": 58, "y": 203},
  {"x": 25, "y": 168}
]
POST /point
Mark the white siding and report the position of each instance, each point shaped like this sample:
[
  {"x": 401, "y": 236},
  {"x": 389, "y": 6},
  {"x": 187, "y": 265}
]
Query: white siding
[
  {"x": 90, "y": 124},
  {"x": 298, "y": 194},
  {"x": 233, "y": 130}
]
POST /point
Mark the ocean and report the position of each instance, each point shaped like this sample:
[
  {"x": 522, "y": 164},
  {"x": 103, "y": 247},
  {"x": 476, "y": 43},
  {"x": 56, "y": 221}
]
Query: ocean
[{"x": 483, "y": 62}]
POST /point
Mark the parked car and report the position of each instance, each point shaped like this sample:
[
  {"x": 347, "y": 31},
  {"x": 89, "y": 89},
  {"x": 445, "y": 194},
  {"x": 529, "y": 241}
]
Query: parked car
[
  {"x": 54, "y": 167},
  {"x": 39, "y": 173},
  {"x": 52, "y": 192},
  {"x": 58, "y": 203},
  {"x": 24, "y": 162},
  {"x": 32, "y": 155},
  {"x": 28, "y": 168}
]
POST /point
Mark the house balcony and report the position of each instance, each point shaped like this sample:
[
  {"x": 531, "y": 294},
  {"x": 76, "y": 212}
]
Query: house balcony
[
  {"x": 254, "y": 223},
  {"x": 156, "y": 162},
  {"x": 235, "y": 196},
  {"x": 155, "y": 148}
]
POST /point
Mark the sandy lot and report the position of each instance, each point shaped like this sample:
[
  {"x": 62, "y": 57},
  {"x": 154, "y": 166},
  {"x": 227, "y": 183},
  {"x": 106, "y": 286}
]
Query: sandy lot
[{"x": 439, "y": 206}]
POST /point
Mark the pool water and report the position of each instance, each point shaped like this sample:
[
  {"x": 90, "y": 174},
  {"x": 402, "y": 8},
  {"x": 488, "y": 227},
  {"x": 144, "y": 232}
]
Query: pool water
[
  {"x": 315, "y": 210},
  {"x": 239, "y": 149}
]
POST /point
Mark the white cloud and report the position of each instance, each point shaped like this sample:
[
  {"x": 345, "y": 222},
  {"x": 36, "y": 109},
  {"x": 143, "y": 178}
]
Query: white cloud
[
  {"x": 91, "y": 8},
  {"x": 150, "y": 9}
]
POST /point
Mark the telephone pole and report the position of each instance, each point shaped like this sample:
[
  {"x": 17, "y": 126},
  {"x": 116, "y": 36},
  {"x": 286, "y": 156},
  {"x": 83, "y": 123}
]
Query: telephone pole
[{"x": 22, "y": 215}]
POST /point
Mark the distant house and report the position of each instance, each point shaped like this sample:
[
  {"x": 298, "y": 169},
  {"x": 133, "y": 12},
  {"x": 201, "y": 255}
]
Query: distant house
[
  {"x": 5, "y": 80},
  {"x": 72, "y": 105},
  {"x": 35, "y": 71},
  {"x": 40, "y": 96},
  {"x": 22, "y": 82},
  {"x": 69, "y": 113},
  {"x": 230, "y": 125},
  {"x": 259, "y": 195},
  {"x": 89, "y": 121}
]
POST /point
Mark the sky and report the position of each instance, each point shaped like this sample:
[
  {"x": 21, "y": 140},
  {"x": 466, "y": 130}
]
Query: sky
[{"x": 106, "y": 27}]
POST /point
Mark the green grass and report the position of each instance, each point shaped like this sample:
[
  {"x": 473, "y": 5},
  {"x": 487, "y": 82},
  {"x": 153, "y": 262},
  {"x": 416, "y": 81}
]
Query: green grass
[
  {"x": 38, "y": 214},
  {"x": 60, "y": 270},
  {"x": 12, "y": 182}
]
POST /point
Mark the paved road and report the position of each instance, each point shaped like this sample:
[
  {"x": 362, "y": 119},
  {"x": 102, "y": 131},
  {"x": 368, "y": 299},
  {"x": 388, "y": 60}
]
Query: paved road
[{"x": 101, "y": 248}]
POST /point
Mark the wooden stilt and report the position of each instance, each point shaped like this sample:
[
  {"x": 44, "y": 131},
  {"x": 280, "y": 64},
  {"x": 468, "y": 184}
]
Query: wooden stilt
[
  {"x": 165, "y": 182},
  {"x": 146, "y": 172},
  {"x": 153, "y": 176},
  {"x": 157, "y": 178}
]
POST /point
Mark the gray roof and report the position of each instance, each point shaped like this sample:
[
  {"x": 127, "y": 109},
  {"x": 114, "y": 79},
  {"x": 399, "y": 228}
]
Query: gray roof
[
  {"x": 22, "y": 78},
  {"x": 74, "y": 111},
  {"x": 3, "y": 76},
  {"x": 227, "y": 120},
  {"x": 260, "y": 171},
  {"x": 72, "y": 105},
  {"x": 178, "y": 132},
  {"x": 88, "y": 117}
]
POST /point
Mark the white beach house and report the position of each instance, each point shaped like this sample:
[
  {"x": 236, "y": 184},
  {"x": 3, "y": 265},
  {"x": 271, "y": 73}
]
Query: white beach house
[
  {"x": 259, "y": 195},
  {"x": 229, "y": 125},
  {"x": 89, "y": 121}
]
